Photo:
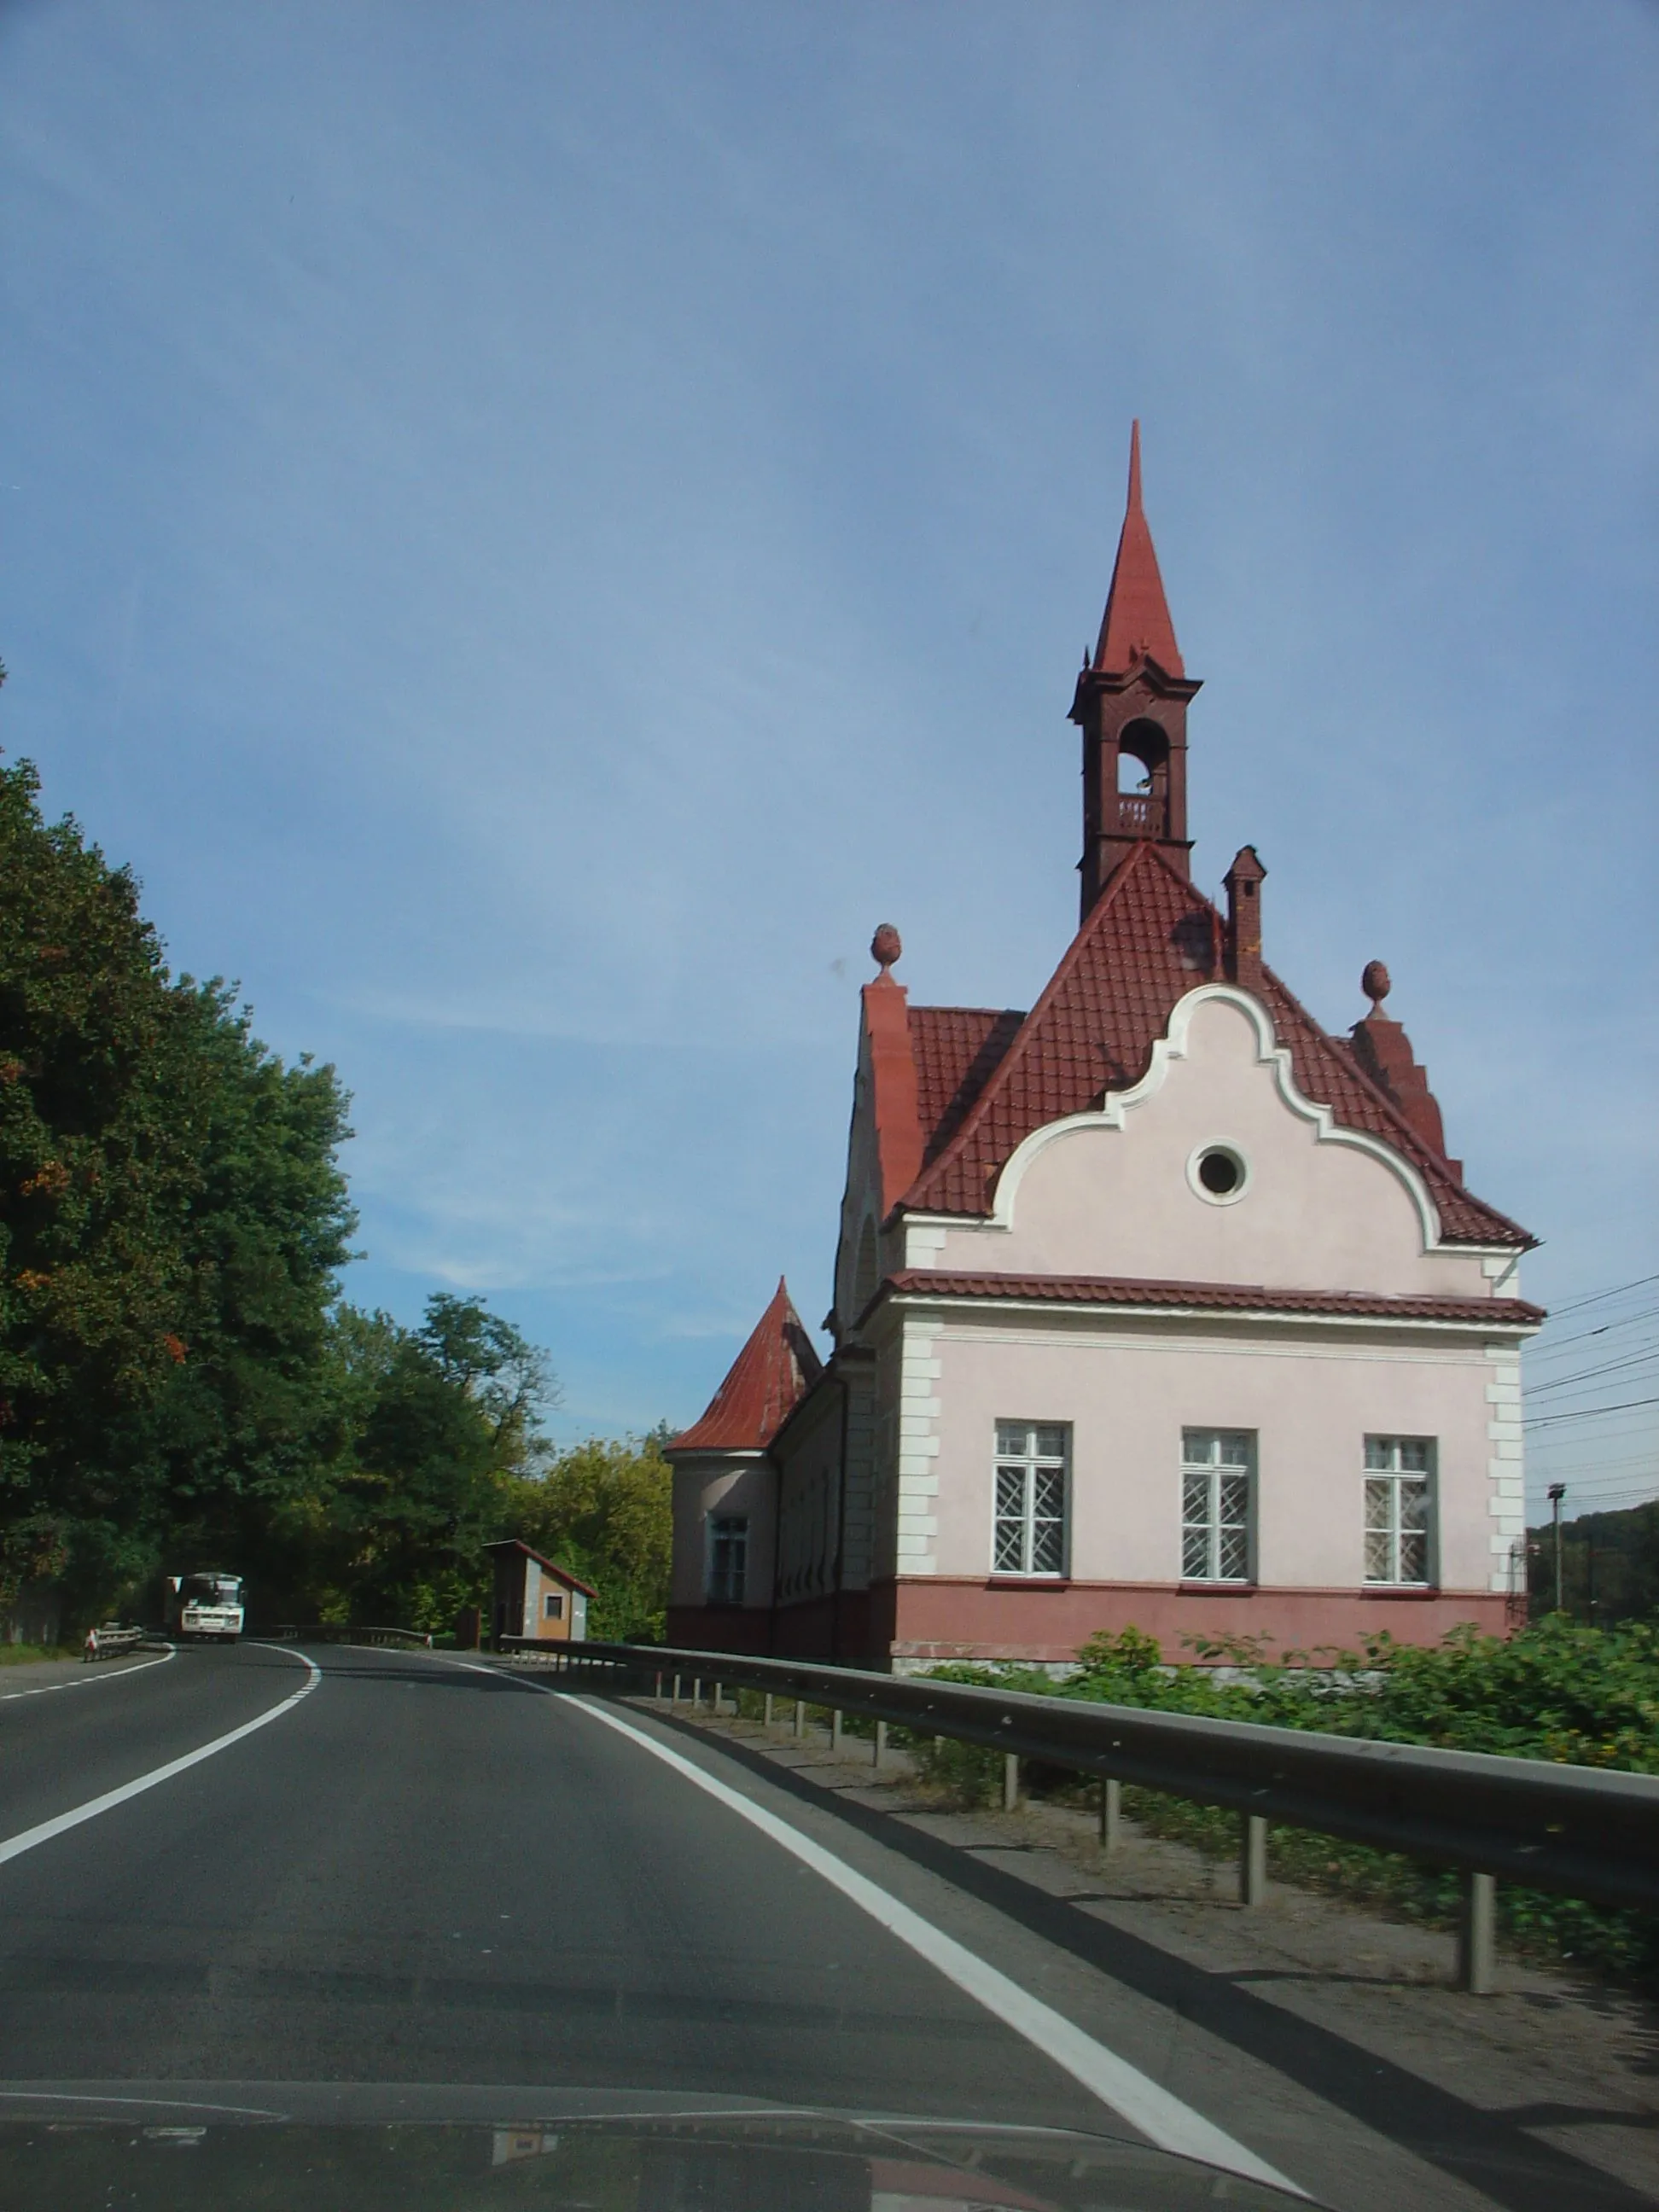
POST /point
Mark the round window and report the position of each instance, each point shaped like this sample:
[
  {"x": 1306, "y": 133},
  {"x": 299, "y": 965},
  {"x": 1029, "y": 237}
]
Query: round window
[{"x": 1218, "y": 1173}]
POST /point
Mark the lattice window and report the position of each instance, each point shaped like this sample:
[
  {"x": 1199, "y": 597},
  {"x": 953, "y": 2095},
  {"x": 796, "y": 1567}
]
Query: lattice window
[
  {"x": 1033, "y": 1464},
  {"x": 1217, "y": 1506},
  {"x": 1399, "y": 1478},
  {"x": 728, "y": 1558}
]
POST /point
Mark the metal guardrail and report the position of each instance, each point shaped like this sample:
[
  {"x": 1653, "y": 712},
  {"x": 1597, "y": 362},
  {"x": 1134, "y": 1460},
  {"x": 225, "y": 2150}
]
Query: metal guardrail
[
  {"x": 534, "y": 1647},
  {"x": 111, "y": 1640},
  {"x": 1582, "y": 1832},
  {"x": 380, "y": 1639}
]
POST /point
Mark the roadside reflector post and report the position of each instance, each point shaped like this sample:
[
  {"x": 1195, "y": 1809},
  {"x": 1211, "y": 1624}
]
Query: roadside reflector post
[
  {"x": 1010, "y": 1782},
  {"x": 879, "y": 1757},
  {"x": 1477, "y": 1947},
  {"x": 1252, "y": 1859},
  {"x": 1111, "y": 1813},
  {"x": 800, "y": 1718}
]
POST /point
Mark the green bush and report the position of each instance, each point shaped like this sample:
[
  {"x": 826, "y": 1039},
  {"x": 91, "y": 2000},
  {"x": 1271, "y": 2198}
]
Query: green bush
[{"x": 1556, "y": 1691}]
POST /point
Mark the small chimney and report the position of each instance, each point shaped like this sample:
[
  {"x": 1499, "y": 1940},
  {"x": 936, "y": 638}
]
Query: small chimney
[{"x": 1243, "y": 949}]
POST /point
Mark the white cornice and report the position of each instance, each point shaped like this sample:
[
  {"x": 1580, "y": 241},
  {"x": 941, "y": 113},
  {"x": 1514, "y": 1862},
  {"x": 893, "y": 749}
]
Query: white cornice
[{"x": 1480, "y": 1326}]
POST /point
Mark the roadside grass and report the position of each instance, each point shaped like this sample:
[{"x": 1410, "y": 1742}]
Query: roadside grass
[{"x": 31, "y": 1654}]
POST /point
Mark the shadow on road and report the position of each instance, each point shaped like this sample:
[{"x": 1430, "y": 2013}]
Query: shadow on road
[{"x": 1488, "y": 2151}]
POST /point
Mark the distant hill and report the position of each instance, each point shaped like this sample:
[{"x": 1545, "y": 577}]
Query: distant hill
[{"x": 1609, "y": 1562}]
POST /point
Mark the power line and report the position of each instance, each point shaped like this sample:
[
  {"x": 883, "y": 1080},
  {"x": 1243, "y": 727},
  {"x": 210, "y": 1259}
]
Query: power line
[
  {"x": 1589, "y": 1414},
  {"x": 1597, "y": 1297},
  {"x": 1543, "y": 1349},
  {"x": 1541, "y": 1468},
  {"x": 1588, "y": 1374}
]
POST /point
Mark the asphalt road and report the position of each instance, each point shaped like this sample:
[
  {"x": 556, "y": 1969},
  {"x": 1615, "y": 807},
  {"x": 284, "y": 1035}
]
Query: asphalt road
[{"x": 427, "y": 1872}]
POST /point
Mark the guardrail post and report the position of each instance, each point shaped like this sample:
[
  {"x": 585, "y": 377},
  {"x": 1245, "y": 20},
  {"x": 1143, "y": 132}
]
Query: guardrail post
[
  {"x": 835, "y": 1732},
  {"x": 1111, "y": 1813},
  {"x": 1476, "y": 1936},
  {"x": 1252, "y": 1859},
  {"x": 657, "y": 1693},
  {"x": 1010, "y": 1782},
  {"x": 675, "y": 1698},
  {"x": 768, "y": 1720},
  {"x": 696, "y": 1692},
  {"x": 800, "y": 1718},
  {"x": 879, "y": 1757}
]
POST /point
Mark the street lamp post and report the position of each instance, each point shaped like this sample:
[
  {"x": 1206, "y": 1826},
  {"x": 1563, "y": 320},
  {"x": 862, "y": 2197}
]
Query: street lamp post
[{"x": 1557, "y": 1491}]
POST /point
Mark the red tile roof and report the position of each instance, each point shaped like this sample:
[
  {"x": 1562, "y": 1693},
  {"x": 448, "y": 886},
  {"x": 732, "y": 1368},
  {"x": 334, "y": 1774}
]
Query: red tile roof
[
  {"x": 1150, "y": 940},
  {"x": 1243, "y": 1297},
  {"x": 552, "y": 1566},
  {"x": 1136, "y": 623},
  {"x": 956, "y": 1049},
  {"x": 765, "y": 1383}
]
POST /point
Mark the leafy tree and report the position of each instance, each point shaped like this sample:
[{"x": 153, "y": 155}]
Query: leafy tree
[
  {"x": 604, "y": 1510},
  {"x": 506, "y": 1378},
  {"x": 171, "y": 1216},
  {"x": 436, "y": 1421}
]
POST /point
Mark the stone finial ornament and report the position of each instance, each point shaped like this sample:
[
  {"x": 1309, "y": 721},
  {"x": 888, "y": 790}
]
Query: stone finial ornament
[
  {"x": 885, "y": 946},
  {"x": 1375, "y": 983}
]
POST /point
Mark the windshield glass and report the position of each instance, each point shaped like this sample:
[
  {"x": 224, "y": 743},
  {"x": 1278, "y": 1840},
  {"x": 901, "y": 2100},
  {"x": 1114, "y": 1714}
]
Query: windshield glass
[{"x": 757, "y": 1383}]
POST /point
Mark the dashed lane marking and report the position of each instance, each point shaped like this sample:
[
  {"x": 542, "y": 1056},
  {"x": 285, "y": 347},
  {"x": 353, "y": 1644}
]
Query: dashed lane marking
[{"x": 86, "y": 1681}]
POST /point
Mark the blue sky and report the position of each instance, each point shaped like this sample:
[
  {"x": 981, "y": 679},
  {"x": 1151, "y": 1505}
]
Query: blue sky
[{"x": 533, "y": 527}]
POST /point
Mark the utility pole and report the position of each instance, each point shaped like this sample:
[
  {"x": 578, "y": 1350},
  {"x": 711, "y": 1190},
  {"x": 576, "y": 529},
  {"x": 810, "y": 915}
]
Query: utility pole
[{"x": 1557, "y": 1491}]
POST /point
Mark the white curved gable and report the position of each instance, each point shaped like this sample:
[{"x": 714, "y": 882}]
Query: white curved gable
[{"x": 1113, "y": 1192}]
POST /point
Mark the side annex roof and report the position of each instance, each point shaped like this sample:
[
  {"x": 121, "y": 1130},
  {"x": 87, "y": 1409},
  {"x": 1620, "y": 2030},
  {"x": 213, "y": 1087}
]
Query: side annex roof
[{"x": 764, "y": 1383}]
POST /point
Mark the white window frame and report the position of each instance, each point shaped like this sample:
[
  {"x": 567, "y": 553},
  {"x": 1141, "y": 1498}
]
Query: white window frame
[
  {"x": 1201, "y": 1453},
  {"x": 713, "y": 1525},
  {"x": 1036, "y": 1460},
  {"x": 1384, "y": 1455}
]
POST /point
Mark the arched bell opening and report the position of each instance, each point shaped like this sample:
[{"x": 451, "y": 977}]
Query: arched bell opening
[{"x": 1143, "y": 780}]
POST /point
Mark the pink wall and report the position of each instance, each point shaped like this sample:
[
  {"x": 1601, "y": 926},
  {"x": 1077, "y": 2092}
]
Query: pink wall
[
  {"x": 709, "y": 1484},
  {"x": 1128, "y": 1391},
  {"x": 1097, "y": 1200}
]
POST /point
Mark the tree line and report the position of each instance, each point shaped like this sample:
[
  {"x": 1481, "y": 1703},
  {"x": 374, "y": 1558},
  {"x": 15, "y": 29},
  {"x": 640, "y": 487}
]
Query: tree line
[
  {"x": 181, "y": 1382},
  {"x": 1609, "y": 1566}
]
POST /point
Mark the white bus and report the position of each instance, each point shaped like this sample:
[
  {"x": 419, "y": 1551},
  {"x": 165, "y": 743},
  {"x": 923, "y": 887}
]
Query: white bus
[{"x": 208, "y": 1604}]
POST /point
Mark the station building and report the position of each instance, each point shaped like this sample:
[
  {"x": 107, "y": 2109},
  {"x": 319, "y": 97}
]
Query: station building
[{"x": 1155, "y": 1304}]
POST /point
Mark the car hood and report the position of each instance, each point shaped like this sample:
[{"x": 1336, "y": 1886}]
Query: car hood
[{"x": 331, "y": 2148}]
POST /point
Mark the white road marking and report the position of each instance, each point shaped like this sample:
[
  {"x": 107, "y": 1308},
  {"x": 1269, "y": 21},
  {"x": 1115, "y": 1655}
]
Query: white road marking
[
  {"x": 15, "y": 1846},
  {"x": 86, "y": 1681},
  {"x": 1163, "y": 2119}
]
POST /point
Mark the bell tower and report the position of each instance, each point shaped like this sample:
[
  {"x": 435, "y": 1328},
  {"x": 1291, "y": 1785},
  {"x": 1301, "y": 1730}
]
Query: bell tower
[{"x": 1131, "y": 705}]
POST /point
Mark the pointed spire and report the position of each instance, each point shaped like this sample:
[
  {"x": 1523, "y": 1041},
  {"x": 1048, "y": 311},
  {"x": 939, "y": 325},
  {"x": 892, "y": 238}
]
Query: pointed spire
[
  {"x": 1136, "y": 624},
  {"x": 764, "y": 1383}
]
